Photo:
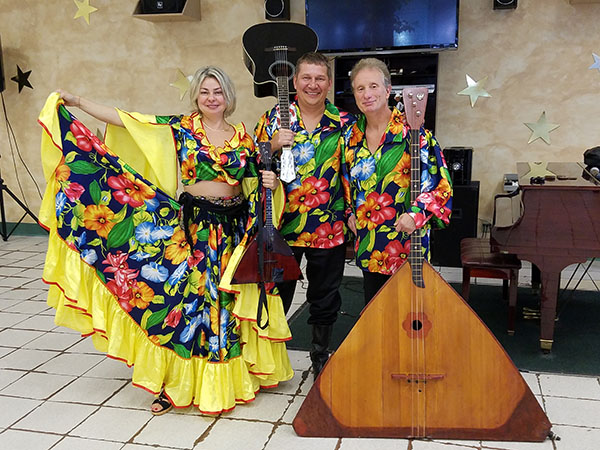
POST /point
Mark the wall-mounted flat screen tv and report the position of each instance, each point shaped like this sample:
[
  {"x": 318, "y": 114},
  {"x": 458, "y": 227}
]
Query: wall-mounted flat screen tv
[{"x": 358, "y": 26}]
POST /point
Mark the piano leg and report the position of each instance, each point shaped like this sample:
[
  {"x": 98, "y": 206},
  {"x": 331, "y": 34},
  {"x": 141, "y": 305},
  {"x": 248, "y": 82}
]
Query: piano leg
[{"x": 550, "y": 284}]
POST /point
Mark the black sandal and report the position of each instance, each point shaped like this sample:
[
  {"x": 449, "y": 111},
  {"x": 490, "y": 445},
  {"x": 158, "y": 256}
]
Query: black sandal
[{"x": 164, "y": 403}]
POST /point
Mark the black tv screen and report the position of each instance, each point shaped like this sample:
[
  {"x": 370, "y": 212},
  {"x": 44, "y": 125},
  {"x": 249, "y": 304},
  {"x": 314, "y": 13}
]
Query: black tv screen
[{"x": 346, "y": 26}]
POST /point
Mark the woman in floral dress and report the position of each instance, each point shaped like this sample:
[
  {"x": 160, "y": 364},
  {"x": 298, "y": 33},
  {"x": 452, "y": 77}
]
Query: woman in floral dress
[{"x": 149, "y": 277}]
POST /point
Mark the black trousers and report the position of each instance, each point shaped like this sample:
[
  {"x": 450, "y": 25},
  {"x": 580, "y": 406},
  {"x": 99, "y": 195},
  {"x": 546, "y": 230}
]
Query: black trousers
[
  {"x": 372, "y": 282},
  {"x": 324, "y": 272}
]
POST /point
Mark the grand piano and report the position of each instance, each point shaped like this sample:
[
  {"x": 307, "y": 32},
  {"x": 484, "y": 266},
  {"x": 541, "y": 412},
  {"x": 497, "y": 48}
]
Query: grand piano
[{"x": 559, "y": 226}]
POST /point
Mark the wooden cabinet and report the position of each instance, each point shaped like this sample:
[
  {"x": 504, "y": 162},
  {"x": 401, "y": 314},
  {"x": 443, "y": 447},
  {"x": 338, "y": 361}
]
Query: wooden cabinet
[{"x": 406, "y": 69}]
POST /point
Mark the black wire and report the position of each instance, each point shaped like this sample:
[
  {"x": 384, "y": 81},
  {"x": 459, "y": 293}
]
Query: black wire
[{"x": 13, "y": 144}]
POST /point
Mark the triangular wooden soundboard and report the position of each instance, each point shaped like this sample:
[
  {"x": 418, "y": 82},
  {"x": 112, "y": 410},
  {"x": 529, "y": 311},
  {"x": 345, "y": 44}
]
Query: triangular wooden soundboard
[{"x": 441, "y": 374}]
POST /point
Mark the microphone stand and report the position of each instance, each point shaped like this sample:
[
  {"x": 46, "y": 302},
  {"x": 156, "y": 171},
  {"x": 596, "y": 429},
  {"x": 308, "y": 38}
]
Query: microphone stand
[{"x": 3, "y": 226}]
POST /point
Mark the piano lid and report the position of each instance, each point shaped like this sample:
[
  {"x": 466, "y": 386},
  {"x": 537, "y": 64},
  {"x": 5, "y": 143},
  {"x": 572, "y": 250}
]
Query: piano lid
[{"x": 557, "y": 174}]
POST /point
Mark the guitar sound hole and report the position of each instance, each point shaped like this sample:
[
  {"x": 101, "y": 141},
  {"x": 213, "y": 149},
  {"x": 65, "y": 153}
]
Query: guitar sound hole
[{"x": 417, "y": 325}]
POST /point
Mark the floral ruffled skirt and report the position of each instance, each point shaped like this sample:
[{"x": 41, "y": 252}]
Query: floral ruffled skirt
[{"x": 121, "y": 270}]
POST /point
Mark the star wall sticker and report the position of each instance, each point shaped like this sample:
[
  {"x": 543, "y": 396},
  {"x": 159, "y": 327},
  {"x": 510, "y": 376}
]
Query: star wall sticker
[
  {"x": 541, "y": 129},
  {"x": 84, "y": 9},
  {"x": 475, "y": 89},
  {"x": 22, "y": 79},
  {"x": 596, "y": 64},
  {"x": 182, "y": 83}
]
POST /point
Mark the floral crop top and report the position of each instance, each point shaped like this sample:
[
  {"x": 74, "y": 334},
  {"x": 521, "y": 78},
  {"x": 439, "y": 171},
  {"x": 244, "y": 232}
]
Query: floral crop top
[{"x": 202, "y": 161}]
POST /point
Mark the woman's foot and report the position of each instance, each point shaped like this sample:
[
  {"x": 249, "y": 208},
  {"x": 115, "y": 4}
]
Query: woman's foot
[{"x": 161, "y": 405}]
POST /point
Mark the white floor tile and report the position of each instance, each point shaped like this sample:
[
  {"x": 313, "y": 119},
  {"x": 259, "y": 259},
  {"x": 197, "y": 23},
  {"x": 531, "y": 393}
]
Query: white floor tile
[
  {"x": 85, "y": 346},
  {"x": 26, "y": 359},
  {"x": 18, "y": 338},
  {"x": 545, "y": 445},
  {"x": 53, "y": 341},
  {"x": 11, "y": 319},
  {"x": 30, "y": 307},
  {"x": 131, "y": 397},
  {"x": 159, "y": 430},
  {"x": 15, "y": 408},
  {"x": 228, "y": 434},
  {"x": 569, "y": 411},
  {"x": 41, "y": 322},
  {"x": 369, "y": 444},
  {"x": 89, "y": 391},
  {"x": 432, "y": 445},
  {"x": 71, "y": 364},
  {"x": 112, "y": 424},
  {"x": 72, "y": 443},
  {"x": 55, "y": 417},
  {"x": 532, "y": 381},
  {"x": 39, "y": 386},
  {"x": 299, "y": 359},
  {"x": 13, "y": 439},
  {"x": 570, "y": 386},
  {"x": 292, "y": 410},
  {"x": 286, "y": 438},
  {"x": 26, "y": 293},
  {"x": 9, "y": 376},
  {"x": 577, "y": 438},
  {"x": 111, "y": 368},
  {"x": 288, "y": 387},
  {"x": 265, "y": 407}
]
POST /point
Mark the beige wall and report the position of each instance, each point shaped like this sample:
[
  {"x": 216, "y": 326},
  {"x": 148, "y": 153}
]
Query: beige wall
[{"x": 536, "y": 59}]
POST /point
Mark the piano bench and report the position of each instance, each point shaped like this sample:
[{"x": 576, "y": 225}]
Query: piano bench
[{"x": 479, "y": 261}]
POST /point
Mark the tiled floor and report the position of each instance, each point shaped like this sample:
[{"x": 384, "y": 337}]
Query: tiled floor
[{"x": 57, "y": 392}]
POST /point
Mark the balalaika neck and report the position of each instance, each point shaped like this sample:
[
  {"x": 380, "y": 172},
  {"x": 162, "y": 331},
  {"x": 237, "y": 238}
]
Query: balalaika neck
[
  {"x": 283, "y": 97},
  {"x": 415, "y": 257}
]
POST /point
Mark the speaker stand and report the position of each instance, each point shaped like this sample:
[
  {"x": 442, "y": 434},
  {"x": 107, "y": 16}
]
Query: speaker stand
[{"x": 3, "y": 228}]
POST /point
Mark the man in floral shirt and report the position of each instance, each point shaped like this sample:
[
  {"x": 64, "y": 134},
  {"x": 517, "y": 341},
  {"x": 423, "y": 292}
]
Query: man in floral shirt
[
  {"x": 313, "y": 222},
  {"x": 378, "y": 161}
]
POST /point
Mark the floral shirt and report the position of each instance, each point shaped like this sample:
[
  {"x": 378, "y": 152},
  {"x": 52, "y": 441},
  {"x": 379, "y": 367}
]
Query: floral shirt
[
  {"x": 317, "y": 199},
  {"x": 380, "y": 188},
  {"x": 201, "y": 160}
]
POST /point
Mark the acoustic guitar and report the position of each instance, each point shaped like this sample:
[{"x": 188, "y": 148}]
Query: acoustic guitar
[
  {"x": 419, "y": 363},
  {"x": 270, "y": 53}
]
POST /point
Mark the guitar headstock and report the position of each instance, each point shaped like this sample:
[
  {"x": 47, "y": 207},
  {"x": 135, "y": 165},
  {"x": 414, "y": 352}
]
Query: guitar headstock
[
  {"x": 264, "y": 148},
  {"x": 415, "y": 102}
]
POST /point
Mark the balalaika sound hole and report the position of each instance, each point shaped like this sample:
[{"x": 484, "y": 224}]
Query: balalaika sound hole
[{"x": 417, "y": 325}]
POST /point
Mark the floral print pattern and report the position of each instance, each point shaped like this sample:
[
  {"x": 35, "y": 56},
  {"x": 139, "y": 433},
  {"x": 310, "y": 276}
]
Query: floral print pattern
[
  {"x": 129, "y": 231},
  {"x": 318, "y": 199},
  {"x": 380, "y": 188}
]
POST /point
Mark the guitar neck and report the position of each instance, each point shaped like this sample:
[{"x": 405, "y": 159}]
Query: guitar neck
[
  {"x": 416, "y": 255},
  {"x": 283, "y": 97}
]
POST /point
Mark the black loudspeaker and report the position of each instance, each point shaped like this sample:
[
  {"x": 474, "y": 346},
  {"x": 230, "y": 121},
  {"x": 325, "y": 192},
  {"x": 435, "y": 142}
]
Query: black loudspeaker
[
  {"x": 162, "y": 6},
  {"x": 2, "y": 84},
  {"x": 277, "y": 9},
  {"x": 460, "y": 162},
  {"x": 505, "y": 4},
  {"x": 445, "y": 244}
]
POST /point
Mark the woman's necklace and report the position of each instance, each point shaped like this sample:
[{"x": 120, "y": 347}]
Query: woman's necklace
[{"x": 204, "y": 125}]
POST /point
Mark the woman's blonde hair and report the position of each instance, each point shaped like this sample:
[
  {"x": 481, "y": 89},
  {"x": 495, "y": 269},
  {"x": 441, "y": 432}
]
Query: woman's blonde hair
[{"x": 223, "y": 80}]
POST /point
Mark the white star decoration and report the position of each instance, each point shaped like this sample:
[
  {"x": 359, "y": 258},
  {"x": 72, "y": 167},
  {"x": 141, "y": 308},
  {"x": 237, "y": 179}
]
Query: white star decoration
[
  {"x": 475, "y": 89},
  {"x": 596, "y": 64},
  {"x": 541, "y": 129}
]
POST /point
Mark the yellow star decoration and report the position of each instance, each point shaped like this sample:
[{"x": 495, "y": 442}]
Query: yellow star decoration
[
  {"x": 475, "y": 89},
  {"x": 182, "y": 83},
  {"x": 541, "y": 129},
  {"x": 84, "y": 9},
  {"x": 537, "y": 169}
]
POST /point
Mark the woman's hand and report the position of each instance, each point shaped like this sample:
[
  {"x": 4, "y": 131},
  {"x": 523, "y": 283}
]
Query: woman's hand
[
  {"x": 269, "y": 179},
  {"x": 283, "y": 138},
  {"x": 352, "y": 223},
  {"x": 70, "y": 99},
  {"x": 405, "y": 223}
]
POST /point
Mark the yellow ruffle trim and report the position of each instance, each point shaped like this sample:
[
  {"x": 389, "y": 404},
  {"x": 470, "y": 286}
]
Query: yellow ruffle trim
[{"x": 84, "y": 304}]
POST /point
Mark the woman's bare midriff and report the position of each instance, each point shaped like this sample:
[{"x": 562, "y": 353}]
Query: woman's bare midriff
[{"x": 212, "y": 189}]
